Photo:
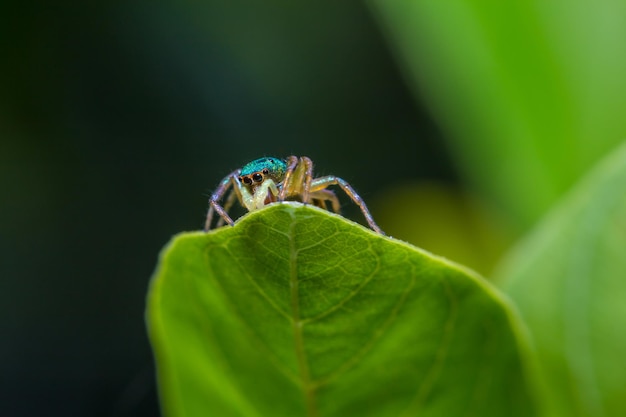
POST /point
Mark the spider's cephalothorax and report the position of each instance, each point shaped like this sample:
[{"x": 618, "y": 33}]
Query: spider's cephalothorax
[
  {"x": 259, "y": 181},
  {"x": 267, "y": 180}
]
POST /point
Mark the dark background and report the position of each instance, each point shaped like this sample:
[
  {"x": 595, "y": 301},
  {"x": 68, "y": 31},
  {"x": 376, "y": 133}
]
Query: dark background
[{"x": 118, "y": 119}]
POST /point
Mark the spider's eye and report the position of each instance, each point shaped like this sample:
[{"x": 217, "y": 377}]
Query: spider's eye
[
  {"x": 246, "y": 180},
  {"x": 257, "y": 177},
  {"x": 266, "y": 171}
]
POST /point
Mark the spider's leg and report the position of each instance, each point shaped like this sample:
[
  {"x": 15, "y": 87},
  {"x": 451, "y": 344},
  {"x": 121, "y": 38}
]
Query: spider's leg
[
  {"x": 308, "y": 177},
  {"x": 230, "y": 200},
  {"x": 322, "y": 196},
  {"x": 292, "y": 162},
  {"x": 319, "y": 203},
  {"x": 215, "y": 207},
  {"x": 323, "y": 182}
]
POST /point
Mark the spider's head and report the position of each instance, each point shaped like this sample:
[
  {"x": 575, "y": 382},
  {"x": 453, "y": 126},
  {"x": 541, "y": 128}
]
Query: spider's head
[{"x": 256, "y": 172}]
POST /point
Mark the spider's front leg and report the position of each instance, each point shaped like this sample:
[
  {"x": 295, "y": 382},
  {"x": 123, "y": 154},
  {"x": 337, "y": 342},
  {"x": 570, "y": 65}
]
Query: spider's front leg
[
  {"x": 298, "y": 179},
  {"x": 322, "y": 183},
  {"x": 292, "y": 163},
  {"x": 230, "y": 200},
  {"x": 321, "y": 197},
  {"x": 308, "y": 177},
  {"x": 214, "y": 205}
]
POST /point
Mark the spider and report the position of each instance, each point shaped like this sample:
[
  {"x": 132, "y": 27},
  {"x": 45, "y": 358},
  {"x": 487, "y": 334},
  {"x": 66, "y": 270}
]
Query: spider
[{"x": 267, "y": 180}]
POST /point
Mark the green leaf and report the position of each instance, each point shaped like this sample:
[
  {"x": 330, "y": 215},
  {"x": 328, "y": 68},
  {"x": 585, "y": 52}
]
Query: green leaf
[
  {"x": 569, "y": 281},
  {"x": 295, "y": 311}
]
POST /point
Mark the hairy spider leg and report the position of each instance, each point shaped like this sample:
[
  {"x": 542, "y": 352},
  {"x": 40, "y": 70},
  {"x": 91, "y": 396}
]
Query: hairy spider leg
[
  {"x": 229, "y": 181},
  {"x": 298, "y": 178},
  {"x": 292, "y": 162},
  {"x": 320, "y": 197},
  {"x": 230, "y": 200},
  {"x": 324, "y": 182},
  {"x": 308, "y": 177}
]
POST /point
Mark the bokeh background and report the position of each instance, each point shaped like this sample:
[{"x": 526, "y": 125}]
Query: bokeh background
[{"x": 460, "y": 125}]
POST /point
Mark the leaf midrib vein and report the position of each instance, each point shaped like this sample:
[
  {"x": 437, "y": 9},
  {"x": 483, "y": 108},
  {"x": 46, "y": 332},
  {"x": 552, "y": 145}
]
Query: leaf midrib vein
[
  {"x": 298, "y": 324},
  {"x": 261, "y": 343}
]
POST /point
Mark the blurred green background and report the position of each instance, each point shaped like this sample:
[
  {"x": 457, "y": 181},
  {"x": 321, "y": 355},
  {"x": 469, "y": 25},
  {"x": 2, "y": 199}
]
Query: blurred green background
[{"x": 459, "y": 124}]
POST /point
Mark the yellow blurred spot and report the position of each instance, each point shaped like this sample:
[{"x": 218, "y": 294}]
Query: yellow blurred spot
[{"x": 444, "y": 220}]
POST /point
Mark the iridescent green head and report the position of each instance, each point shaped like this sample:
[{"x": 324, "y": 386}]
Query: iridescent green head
[{"x": 255, "y": 172}]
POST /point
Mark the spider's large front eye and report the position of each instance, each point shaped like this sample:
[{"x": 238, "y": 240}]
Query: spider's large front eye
[
  {"x": 257, "y": 177},
  {"x": 246, "y": 180}
]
